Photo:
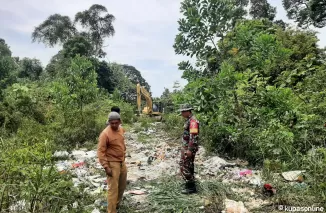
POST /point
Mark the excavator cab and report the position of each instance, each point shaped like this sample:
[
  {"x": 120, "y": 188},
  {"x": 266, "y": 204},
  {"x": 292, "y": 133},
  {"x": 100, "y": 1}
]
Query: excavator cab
[{"x": 157, "y": 107}]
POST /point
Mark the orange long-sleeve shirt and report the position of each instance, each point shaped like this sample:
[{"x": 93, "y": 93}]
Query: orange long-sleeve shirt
[{"x": 111, "y": 146}]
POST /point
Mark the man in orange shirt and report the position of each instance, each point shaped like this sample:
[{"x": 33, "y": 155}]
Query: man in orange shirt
[{"x": 111, "y": 154}]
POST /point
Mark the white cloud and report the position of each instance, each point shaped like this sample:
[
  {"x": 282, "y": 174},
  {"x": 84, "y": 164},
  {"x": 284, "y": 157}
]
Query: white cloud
[{"x": 145, "y": 32}]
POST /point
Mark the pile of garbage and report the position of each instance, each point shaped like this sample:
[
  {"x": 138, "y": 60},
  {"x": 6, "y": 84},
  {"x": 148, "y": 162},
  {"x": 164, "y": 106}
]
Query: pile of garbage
[
  {"x": 150, "y": 161},
  {"x": 85, "y": 167}
]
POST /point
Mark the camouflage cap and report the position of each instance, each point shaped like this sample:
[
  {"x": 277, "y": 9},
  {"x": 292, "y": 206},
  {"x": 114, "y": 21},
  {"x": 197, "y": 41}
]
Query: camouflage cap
[{"x": 185, "y": 107}]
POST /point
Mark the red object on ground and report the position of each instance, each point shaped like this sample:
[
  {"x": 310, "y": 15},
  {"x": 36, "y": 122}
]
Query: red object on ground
[
  {"x": 269, "y": 189},
  {"x": 268, "y": 186},
  {"x": 80, "y": 164}
]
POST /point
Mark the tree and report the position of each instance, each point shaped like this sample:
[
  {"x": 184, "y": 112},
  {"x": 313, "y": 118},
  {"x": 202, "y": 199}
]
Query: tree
[
  {"x": 57, "y": 65},
  {"x": 77, "y": 45},
  {"x": 78, "y": 86},
  {"x": 203, "y": 24},
  {"x": 126, "y": 88},
  {"x": 96, "y": 26},
  {"x": 105, "y": 77},
  {"x": 306, "y": 12},
  {"x": 30, "y": 68},
  {"x": 8, "y": 67},
  {"x": 262, "y": 9},
  {"x": 4, "y": 48},
  {"x": 135, "y": 76},
  {"x": 57, "y": 29}
]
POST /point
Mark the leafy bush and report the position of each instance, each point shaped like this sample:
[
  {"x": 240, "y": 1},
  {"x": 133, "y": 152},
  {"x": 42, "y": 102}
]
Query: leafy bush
[
  {"x": 28, "y": 174},
  {"x": 173, "y": 124}
]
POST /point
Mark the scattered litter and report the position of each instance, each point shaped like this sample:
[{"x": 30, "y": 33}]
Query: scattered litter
[
  {"x": 232, "y": 206},
  {"x": 97, "y": 191},
  {"x": 60, "y": 154},
  {"x": 245, "y": 173},
  {"x": 91, "y": 154},
  {"x": 78, "y": 154},
  {"x": 300, "y": 186},
  {"x": 98, "y": 202},
  {"x": 150, "y": 160},
  {"x": 104, "y": 203},
  {"x": 207, "y": 202},
  {"x": 18, "y": 207},
  {"x": 256, "y": 180},
  {"x": 300, "y": 179},
  {"x": 136, "y": 192},
  {"x": 61, "y": 166},
  {"x": 77, "y": 165},
  {"x": 75, "y": 205},
  {"x": 292, "y": 175},
  {"x": 269, "y": 190},
  {"x": 212, "y": 165},
  {"x": 96, "y": 211}
]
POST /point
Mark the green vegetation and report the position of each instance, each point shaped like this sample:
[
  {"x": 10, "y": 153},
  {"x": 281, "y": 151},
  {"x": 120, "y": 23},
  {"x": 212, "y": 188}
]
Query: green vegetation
[
  {"x": 60, "y": 107},
  {"x": 257, "y": 88}
]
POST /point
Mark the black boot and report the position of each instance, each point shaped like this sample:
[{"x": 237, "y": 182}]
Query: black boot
[{"x": 190, "y": 188}]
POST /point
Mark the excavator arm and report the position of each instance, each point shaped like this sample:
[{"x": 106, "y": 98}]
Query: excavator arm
[
  {"x": 138, "y": 98},
  {"x": 149, "y": 102}
]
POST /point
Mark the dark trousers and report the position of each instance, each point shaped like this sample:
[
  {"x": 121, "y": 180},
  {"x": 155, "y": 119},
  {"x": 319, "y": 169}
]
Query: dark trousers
[{"x": 187, "y": 167}]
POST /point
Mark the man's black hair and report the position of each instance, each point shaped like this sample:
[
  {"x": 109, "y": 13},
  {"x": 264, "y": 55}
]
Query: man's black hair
[{"x": 115, "y": 109}]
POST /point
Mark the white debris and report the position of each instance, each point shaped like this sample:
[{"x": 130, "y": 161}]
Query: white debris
[
  {"x": 62, "y": 165},
  {"x": 212, "y": 165},
  {"x": 97, "y": 191},
  {"x": 255, "y": 180},
  {"x": 18, "y": 207},
  {"x": 60, "y": 154},
  {"x": 232, "y": 206},
  {"x": 96, "y": 211},
  {"x": 91, "y": 154},
  {"x": 78, "y": 154},
  {"x": 292, "y": 175},
  {"x": 75, "y": 205}
]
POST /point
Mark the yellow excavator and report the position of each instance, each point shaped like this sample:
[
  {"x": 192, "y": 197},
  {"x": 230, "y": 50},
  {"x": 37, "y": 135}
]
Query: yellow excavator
[{"x": 151, "y": 109}]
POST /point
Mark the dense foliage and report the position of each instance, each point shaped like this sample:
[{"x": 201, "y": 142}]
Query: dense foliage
[
  {"x": 59, "y": 107},
  {"x": 257, "y": 87}
]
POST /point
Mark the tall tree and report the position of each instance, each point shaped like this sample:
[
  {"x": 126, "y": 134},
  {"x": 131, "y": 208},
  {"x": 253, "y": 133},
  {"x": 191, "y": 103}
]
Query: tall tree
[
  {"x": 262, "y": 9},
  {"x": 57, "y": 29},
  {"x": 8, "y": 66},
  {"x": 96, "y": 25},
  {"x": 4, "y": 48},
  {"x": 135, "y": 76},
  {"x": 204, "y": 23},
  {"x": 306, "y": 12}
]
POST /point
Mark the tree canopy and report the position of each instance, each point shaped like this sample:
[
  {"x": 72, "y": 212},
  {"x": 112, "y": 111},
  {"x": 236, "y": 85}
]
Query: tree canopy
[
  {"x": 96, "y": 23},
  {"x": 306, "y": 12}
]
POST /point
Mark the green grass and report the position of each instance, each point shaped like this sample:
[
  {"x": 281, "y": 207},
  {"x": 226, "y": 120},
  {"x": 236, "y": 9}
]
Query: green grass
[{"x": 165, "y": 196}]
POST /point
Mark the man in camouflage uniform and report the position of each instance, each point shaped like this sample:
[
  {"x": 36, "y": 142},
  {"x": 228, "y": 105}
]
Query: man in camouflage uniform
[{"x": 189, "y": 149}]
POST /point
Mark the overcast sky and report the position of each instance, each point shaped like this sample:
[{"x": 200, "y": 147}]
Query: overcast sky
[{"x": 145, "y": 32}]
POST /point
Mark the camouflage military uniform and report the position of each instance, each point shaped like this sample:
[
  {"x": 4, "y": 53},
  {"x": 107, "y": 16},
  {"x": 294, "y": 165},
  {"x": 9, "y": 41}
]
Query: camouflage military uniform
[{"x": 189, "y": 142}]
